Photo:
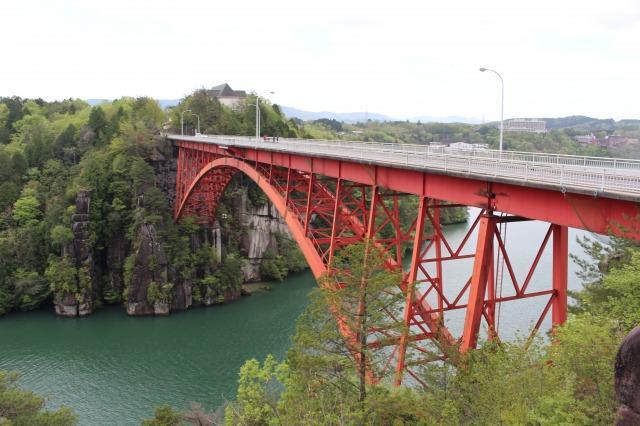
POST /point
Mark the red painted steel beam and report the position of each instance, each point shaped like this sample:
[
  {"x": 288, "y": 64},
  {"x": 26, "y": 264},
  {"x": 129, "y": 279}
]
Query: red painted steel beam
[
  {"x": 479, "y": 277},
  {"x": 296, "y": 228},
  {"x": 411, "y": 280},
  {"x": 560, "y": 274},
  {"x": 595, "y": 214}
]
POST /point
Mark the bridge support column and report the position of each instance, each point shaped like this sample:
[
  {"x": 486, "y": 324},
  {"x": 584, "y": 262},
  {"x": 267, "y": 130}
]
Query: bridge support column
[
  {"x": 437, "y": 239},
  {"x": 560, "y": 272},
  {"x": 412, "y": 276},
  {"x": 335, "y": 221},
  {"x": 479, "y": 278}
]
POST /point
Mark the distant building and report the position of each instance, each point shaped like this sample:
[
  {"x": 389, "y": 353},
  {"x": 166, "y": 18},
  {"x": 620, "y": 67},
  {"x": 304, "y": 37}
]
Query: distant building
[
  {"x": 528, "y": 125},
  {"x": 613, "y": 140},
  {"x": 226, "y": 95},
  {"x": 463, "y": 146},
  {"x": 589, "y": 139}
]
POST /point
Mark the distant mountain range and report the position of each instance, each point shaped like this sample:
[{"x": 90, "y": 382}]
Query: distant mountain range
[
  {"x": 348, "y": 117},
  {"x": 581, "y": 122},
  {"x": 353, "y": 117}
]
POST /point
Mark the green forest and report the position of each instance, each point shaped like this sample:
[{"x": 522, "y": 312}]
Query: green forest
[
  {"x": 58, "y": 157},
  {"x": 559, "y": 139}
]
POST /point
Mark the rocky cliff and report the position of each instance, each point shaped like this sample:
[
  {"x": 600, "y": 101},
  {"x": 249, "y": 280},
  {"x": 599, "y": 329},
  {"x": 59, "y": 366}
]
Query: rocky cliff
[
  {"x": 627, "y": 380},
  {"x": 79, "y": 301},
  {"x": 154, "y": 267},
  {"x": 261, "y": 225},
  {"x": 148, "y": 290}
]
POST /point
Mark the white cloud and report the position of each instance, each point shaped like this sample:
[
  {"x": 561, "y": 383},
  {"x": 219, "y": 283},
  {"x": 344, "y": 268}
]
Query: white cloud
[{"x": 401, "y": 58}]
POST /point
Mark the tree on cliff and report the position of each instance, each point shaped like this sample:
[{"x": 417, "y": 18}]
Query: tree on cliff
[
  {"x": 347, "y": 322},
  {"x": 361, "y": 293}
]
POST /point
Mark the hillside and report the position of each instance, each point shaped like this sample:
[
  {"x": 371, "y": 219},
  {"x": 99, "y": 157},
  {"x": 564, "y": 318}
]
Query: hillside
[{"x": 580, "y": 122}]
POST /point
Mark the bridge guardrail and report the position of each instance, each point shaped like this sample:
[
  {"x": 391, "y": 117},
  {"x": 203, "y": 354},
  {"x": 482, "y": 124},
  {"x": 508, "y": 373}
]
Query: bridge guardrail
[{"x": 621, "y": 176}]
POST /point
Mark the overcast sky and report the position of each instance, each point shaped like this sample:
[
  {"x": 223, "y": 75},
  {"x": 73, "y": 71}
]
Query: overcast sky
[{"x": 401, "y": 58}]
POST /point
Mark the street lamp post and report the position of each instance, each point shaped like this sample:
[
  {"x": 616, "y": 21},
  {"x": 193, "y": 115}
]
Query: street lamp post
[
  {"x": 258, "y": 115},
  {"x": 182, "y": 121},
  {"x": 501, "y": 103}
]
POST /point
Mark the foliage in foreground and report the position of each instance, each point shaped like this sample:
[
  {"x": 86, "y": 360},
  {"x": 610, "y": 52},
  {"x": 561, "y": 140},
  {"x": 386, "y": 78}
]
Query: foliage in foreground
[
  {"x": 22, "y": 407},
  {"x": 568, "y": 381}
]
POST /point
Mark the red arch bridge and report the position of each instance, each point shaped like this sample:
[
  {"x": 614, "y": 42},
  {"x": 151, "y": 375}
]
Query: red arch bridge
[{"x": 335, "y": 193}]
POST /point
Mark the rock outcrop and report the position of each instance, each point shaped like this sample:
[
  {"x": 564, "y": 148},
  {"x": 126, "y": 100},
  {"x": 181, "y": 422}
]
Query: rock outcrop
[
  {"x": 165, "y": 175},
  {"x": 116, "y": 255},
  {"x": 149, "y": 271},
  {"x": 262, "y": 224},
  {"x": 138, "y": 272},
  {"x": 627, "y": 374},
  {"x": 80, "y": 251}
]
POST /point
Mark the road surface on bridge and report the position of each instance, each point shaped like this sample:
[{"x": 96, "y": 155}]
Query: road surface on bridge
[{"x": 597, "y": 176}]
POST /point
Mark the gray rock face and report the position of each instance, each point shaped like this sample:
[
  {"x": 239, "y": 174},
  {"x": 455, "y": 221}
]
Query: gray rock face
[
  {"x": 116, "y": 255},
  {"x": 79, "y": 250},
  {"x": 226, "y": 296},
  {"x": 165, "y": 175},
  {"x": 67, "y": 306},
  {"x": 627, "y": 383},
  {"x": 161, "y": 308},
  {"x": 181, "y": 298},
  {"x": 150, "y": 266},
  {"x": 263, "y": 224}
]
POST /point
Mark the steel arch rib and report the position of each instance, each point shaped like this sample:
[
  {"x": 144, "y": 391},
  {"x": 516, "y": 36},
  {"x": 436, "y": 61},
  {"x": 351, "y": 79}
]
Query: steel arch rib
[{"x": 297, "y": 231}]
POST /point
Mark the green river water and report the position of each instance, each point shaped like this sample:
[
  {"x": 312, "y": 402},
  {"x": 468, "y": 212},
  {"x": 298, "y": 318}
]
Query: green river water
[{"x": 113, "y": 369}]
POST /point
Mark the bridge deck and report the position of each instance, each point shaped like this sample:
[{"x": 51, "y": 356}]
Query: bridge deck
[{"x": 602, "y": 177}]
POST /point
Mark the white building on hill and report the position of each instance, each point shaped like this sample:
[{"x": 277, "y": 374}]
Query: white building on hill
[
  {"x": 463, "y": 146},
  {"x": 527, "y": 125},
  {"x": 226, "y": 95}
]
